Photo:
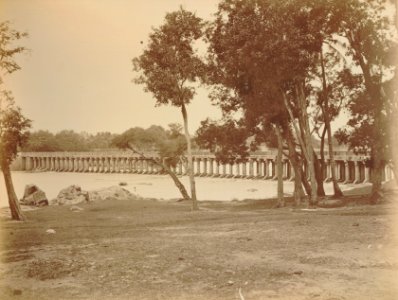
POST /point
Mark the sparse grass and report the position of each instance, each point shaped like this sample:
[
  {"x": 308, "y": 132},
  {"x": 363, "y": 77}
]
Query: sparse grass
[{"x": 146, "y": 249}]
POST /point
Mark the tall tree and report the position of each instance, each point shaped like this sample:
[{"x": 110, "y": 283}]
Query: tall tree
[
  {"x": 13, "y": 134},
  {"x": 368, "y": 30},
  {"x": 13, "y": 125},
  {"x": 170, "y": 66}
]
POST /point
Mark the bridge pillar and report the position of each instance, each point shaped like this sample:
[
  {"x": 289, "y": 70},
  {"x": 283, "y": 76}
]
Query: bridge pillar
[
  {"x": 28, "y": 163},
  {"x": 64, "y": 164},
  {"x": 211, "y": 167},
  {"x": 217, "y": 168},
  {"x": 346, "y": 172},
  {"x": 223, "y": 170},
  {"x": 244, "y": 169},
  {"x": 259, "y": 168},
  {"x": 59, "y": 164},
  {"x": 197, "y": 160},
  {"x": 275, "y": 170},
  {"x": 51, "y": 163},
  {"x": 357, "y": 172},
  {"x": 204, "y": 169},
  {"x": 74, "y": 164},
  {"x": 251, "y": 168},
  {"x": 55, "y": 164},
  {"x": 286, "y": 171},
  {"x": 328, "y": 176},
  {"x": 134, "y": 165}
]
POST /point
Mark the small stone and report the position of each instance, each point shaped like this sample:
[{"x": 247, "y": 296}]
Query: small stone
[
  {"x": 230, "y": 282},
  {"x": 181, "y": 258},
  {"x": 355, "y": 224},
  {"x": 76, "y": 208},
  {"x": 299, "y": 272},
  {"x": 50, "y": 231},
  {"x": 17, "y": 292}
]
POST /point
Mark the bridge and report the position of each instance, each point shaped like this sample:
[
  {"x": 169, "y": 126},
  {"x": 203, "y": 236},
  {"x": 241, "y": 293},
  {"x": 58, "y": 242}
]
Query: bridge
[{"x": 350, "y": 168}]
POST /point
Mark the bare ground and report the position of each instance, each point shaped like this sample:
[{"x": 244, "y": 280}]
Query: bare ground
[{"x": 241, "y": 250}]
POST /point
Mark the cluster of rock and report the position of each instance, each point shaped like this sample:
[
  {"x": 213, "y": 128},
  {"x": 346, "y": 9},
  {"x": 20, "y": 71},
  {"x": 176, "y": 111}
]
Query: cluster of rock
[
  {"x": 73, "y": 194},
  {"x": 34, "y": 196}
]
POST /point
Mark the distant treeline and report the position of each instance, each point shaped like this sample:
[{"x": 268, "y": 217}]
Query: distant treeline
[
  {"x": 68, "y": 140},
  {"x": 145, "y": 139}
]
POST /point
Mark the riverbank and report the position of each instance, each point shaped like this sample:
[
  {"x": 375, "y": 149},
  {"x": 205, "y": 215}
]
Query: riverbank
[
  {"x": 154, "y": 186},
  {"x": 148, "y": 249}
]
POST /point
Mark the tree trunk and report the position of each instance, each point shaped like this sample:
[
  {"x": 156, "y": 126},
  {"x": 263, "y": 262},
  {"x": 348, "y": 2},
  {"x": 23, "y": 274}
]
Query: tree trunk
[
  {"x": 177, "y": 182},
  {"x": 376, "y": 177},
  {"x": 279, "y": 166},
  {"x": 190, "y": 170},
  {"x": 16, "y": 213},
  {"x": 336, "y": 189},
  {"x": 306, "y": 144},
  {"x": 296, "y": 164},
  {"x": 318, "y": 176},
  {"x": 305, "y": 182},
  {"x": 166, "y": 169}
]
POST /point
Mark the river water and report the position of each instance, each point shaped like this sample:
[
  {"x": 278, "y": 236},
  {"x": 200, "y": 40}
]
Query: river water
[{"x": 149, "y": 186}]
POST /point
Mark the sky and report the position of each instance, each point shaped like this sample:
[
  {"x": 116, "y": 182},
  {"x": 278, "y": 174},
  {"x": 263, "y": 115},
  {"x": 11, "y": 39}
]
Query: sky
[{"x": 78, "y": 72}]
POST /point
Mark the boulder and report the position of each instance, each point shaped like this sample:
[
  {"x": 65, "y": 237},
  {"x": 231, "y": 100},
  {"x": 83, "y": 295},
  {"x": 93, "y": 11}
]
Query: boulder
[
  {"x": 113, "y": 193},
  {"x": 70, "y": 196},
  {"x": 34, "y": 196}
]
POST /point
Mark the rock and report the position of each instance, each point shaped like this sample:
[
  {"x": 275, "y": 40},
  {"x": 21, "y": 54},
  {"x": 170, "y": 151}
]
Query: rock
[
  {"x": 50, "y": 231},
  {"x": 122, "y": 183},
  {"x": 17, "y": 292},
  {"x": 112, "y": 193},
  {"x": 34, "y": 196},
  {"x": 76, "y": 208},
  {"x": 329, "y": 203},
  {"x": 298, "y": 272},
  {"x": 70, "y": 196}
]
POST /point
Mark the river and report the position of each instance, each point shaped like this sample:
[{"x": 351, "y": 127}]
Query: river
[{"x": 149, "y": 186}]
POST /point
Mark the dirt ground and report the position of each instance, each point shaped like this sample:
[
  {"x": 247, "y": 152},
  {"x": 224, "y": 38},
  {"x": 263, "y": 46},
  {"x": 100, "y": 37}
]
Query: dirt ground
[{"x": 240, "y": 250}]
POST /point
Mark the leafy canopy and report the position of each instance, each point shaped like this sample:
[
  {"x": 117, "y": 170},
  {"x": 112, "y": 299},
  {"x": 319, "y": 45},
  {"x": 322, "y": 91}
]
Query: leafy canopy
[{"x": 170, "y": 64}]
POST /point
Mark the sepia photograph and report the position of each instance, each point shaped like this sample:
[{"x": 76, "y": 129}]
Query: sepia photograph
[{"x": 198, "y": 149}]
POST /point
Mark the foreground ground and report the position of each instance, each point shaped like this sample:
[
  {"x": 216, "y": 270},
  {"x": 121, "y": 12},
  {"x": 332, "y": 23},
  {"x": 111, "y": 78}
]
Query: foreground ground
[{"x": 161, "y": 250}]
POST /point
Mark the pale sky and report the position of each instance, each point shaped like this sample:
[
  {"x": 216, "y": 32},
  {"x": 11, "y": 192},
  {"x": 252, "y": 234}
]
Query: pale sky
[{"x": 78, "y": 73}]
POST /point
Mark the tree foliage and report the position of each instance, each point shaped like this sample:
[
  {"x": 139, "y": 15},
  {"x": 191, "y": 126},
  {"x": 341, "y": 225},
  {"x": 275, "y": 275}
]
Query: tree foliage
[
  {"x": 8, "y": 49},
  {"x": 13, "y": 129}
]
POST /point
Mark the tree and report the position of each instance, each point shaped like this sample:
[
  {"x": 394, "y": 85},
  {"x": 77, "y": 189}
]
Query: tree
[
  {"x": 170, "y": 66},
  {"x": 261, "y": 52},
  {"x": 169, "y": 146},
  {"x": 13, "y": 125},
  {"x": 41, "y": 141},
  {"x": 13, "y": 134},
  {"x": 367, "y": 30},
  {"x": 68, "y": 140}
]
